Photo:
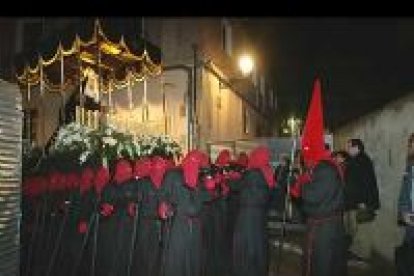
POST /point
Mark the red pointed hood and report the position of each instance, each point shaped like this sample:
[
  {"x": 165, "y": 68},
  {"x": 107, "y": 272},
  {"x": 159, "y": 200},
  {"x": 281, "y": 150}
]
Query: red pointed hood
[
  {"x": 86, "y": 179},
  {"x": 259, "y": 159},
  {"x": 41, "y": 185},
  {"x": 223, "y": 158},
  {"x": 34, "y": 186},
  {"x": 142, "y": 167},
  {"x": 313, "y": 144},
  {"x": 101, "y": 179},
  {"x": 159, "y": 167},
  {"x": 55, "y": 181},
  {"x": 191, "y": 164},
  {"x": 72, "y": 180},
  {"x": 123, "y": 171}
]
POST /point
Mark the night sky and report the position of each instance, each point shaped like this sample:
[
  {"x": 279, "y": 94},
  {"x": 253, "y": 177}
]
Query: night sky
[{"x": 363, "y": 62}]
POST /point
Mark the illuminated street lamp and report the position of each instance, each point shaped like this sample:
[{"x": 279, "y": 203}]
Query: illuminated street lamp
[{"x": 246, "y": 64}]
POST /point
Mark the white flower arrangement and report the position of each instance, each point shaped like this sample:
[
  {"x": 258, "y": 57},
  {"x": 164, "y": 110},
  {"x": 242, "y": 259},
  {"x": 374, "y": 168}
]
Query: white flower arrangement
[
  {"x": 107, "y": 140},
  {"x": 149, "y": 145},
  {"x": 71, "y": 137},
  {"x": 107, "y": 144}
]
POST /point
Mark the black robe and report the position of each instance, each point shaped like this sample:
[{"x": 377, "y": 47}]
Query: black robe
[
  {"x": 64, "y": 261},
  {"x": 209, "y": 243},
  {"x": 40, "y": 242},
  {"x": 250, "y": 252},
  {"x": 181, "y": 253},
  {"x": 323, "y": 203},
  {"x": 128, "y": 194},
  {"x": 220, "y": 226},
  {"x": 147, "y": 249},
  {"x": 58, "y": 224},
  {"x": 81, "y": 243},
  {"x": 232, "y": 211},
  {"x": 31, "y": 213},
  {"x": 109, "y": 231}
]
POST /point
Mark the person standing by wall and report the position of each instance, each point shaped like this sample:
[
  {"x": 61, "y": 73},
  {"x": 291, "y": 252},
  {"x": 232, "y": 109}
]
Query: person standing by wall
[
  {"x": 361, "y": 196},
  {"x": 405, "y": 253},
  {"x": 406, "y": 198}
]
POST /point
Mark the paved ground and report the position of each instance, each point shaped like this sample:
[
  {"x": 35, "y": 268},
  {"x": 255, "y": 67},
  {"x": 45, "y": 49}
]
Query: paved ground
[
  {"x": 291, "y": 257},
  {"x": 291, "y": 261}
]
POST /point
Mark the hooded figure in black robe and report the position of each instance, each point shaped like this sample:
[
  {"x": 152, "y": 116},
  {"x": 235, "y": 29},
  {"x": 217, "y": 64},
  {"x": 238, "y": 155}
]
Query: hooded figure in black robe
[
  {"x": 214, "y": 219},
  {"x": 322, "y": 199},
  {"x": 232, "y": 202},
  {"x": 60, "y": 222},
  {"x": 323, "y": 203},
  {"x": 114, "y": 224},
  {"x": 82, "y": 210},
  {"x": 56, "y": 219},
  {"x": 40, "y": 242},
  {"x": 182, "y": 199},
  {"x": 63, "y": 264},
  {"x": 250, "y": 251},
  {"x": 32, "y": 207},
  {"x": 127, "y": 220},
  {"x": 148, "y": 242},
  {"x": 208, "y": 221}
]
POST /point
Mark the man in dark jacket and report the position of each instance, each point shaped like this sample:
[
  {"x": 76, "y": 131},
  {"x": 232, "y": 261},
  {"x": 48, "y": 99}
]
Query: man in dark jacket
[
  {"x": 362, "y": 189},
  {"x": 361, "y": 193}
]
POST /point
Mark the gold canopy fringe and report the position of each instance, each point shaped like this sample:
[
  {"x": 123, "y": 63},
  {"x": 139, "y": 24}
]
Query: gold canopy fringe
[{"x": 32, "y": 76}]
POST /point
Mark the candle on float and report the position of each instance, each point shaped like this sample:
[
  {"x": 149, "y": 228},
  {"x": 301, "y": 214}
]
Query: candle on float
[
  {"x": 77, "y": 115},
  {"x": 95, "y": 119},
  {"x": 83, "y": 115},
  {"x": 89, "y": 118}
]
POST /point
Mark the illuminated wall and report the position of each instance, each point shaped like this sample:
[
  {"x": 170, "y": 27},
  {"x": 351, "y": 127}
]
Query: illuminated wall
[
  {"x": 10, "y": 177},
  {"x": 221, "y": 113},
  {"x": 385, "y": 134}
]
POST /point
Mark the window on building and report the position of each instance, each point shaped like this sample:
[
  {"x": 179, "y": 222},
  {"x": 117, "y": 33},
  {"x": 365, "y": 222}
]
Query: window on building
[
  {"x": 226, "y": 36},
  {"x": 246, "y": 119}
]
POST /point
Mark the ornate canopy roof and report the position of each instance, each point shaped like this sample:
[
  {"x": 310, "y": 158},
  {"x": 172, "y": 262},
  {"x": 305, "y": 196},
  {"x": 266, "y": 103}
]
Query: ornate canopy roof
[{"x": 112, "y": 47}]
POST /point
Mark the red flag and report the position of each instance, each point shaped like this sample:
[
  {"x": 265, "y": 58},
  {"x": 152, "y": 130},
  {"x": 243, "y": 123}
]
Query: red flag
[{"x": 313, "y": 143}]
